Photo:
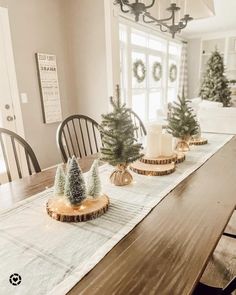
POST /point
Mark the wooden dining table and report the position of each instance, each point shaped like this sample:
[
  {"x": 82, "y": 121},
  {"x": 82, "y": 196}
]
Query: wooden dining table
[{"x": 167, "y": 252}]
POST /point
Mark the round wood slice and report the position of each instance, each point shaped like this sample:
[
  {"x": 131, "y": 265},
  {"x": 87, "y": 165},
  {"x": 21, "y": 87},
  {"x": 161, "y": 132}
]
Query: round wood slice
[
  {"x": 177, "y": 157},
  {"x": 200, "y": 141},
  {"x": 152, "y": 169},
  {"x": 180, "y": 157},
  {"x": 59, "y": 208}
]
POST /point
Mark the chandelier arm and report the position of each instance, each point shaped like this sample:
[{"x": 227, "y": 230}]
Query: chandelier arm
[
  {"x": 163, "y": 30},
  {"x": 147, "y": 21},
  {"x": 122, "y": 4},
  {"x": 154, "y": 20},
  {"x": 149, "y": 6}
]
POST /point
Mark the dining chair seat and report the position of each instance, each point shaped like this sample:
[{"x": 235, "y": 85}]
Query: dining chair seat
[{"x": 15, "y": 152}]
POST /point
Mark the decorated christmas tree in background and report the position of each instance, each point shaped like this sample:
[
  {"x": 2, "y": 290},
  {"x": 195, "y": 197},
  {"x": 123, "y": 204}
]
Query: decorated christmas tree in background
[
  {"x": 93, "y": 181},
  {"x": 215, "y": 85},
  {"x": 182, "y": 122},
  {"x": 75, "y": 189},
  {"x": 117, "y": 130},
  {"x": 59, "y": 183}
]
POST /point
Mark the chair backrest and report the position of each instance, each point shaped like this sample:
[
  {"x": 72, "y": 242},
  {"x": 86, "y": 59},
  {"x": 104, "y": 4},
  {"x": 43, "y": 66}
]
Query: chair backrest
[
  {"x": 141, "y": 130},
  {"x": 78, "y": 135},
  {"x": 13, "y": 148}
]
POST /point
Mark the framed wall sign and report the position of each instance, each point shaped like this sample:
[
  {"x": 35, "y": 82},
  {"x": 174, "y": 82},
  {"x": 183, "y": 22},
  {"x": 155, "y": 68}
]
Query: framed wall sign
[{"x": 49, "y": 87}]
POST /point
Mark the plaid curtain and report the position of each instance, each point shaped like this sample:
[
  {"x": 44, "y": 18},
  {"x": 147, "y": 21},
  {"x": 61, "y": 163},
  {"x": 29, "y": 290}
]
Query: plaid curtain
[{"x": 183, "y": 74}]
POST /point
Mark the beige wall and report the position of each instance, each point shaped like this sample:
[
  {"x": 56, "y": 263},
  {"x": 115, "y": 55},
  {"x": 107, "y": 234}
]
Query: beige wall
[
  {"x": 39, "y": 26},
  {"x": 84, "y": 36},
  {"x": 87, "y": 51}
]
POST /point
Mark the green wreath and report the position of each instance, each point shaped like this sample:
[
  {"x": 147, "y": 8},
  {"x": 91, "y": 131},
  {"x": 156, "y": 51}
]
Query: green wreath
[
  {"x": 173, "y": 73},
  {"x": 139, "y": 64},
  {"x": 157, "y": 71}
]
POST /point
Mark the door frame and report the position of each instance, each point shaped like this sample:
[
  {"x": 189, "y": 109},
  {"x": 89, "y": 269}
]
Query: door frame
[{"x": 10, "y": 61}]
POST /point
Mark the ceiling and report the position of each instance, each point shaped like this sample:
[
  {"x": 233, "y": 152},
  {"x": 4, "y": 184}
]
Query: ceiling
[{"x": 224, "y": 20}]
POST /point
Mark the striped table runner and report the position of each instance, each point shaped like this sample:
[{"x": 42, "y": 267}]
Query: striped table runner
[{"x": 51, "y": 257}]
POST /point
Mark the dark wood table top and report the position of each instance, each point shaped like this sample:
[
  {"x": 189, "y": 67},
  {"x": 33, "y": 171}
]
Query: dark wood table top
[{"x": 168, "y": 251}]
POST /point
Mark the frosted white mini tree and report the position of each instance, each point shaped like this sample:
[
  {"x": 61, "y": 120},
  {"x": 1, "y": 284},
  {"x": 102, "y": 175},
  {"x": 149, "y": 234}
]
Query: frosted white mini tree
[
  {"x": 59, "y": 183},
  {"x": 94, "y": 186},
  {"x": 75, "y": 189}
]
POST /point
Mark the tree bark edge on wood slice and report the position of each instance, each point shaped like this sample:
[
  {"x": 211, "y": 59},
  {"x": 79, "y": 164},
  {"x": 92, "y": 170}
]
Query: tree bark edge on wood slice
[
  {"x": 200, "y": 141},
  {"x": 60, "y": 209},
  {"x": 152, "y": 170},
  {"x": 177, "y": 157}
]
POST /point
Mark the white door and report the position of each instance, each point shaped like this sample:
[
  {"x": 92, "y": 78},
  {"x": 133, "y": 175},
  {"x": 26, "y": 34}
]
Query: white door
[{"x": 10, "y": 111}]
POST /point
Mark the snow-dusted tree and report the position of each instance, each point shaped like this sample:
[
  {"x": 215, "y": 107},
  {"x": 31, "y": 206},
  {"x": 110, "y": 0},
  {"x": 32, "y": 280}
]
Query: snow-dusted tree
[
  {"x": 215, "y": 85},
  {"x": 59, "y": 183},
  {"x": 94, "y": 186},
  {"x": 75, "y": 189}
]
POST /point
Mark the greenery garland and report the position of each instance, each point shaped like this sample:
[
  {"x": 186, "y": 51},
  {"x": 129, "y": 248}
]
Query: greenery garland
[
  {"x": 140, "y": 77},
  {"x": 157, "y": 71},
  {"x": 173, "y": 73}
]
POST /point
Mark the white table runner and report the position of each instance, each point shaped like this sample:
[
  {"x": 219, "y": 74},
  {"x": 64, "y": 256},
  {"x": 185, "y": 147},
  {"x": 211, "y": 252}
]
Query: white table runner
[{"x": 52, "y": 257}]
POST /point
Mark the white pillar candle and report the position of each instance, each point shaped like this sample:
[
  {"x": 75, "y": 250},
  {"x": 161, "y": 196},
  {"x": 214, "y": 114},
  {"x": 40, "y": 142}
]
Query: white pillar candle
[
  {"x": 153, "y": 149},
  {"x": 155, "y": 127},
  {"x": 167, "y": 145}
]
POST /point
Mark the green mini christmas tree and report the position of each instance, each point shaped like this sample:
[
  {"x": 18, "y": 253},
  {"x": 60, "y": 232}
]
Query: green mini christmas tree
[
  {"x": 117, "y": 131},
  {"x": 93, "y": 181},
  {"x": 215, "y": 85},
  {"x": 75, "y": 189},
  {"x": 182, "y": 122},
  {"x": 59, "y": 183}
]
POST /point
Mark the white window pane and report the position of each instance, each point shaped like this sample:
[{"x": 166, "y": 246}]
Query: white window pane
[
  {"x": 136, "y": 57},
  {"x": 138, "y": 38},
  {"x": 154, "y": 104},
  {"x": 138, "y": 104},
  {"x": 172, "y": 95},
  {"x": 174, "y": 49},
  {"x": 157, "y": 44}
]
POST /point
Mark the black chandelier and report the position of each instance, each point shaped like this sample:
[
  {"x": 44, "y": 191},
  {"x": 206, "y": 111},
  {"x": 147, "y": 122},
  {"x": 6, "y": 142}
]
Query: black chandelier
[{"x": 166, "y": 24}]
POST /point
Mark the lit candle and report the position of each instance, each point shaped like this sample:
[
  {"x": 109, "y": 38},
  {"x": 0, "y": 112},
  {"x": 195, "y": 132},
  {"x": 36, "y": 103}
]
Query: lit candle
[
  {"x": 167, "y": 145},
  {"x": 153, "y": 144},
  {"x": 155, "y": 127}
]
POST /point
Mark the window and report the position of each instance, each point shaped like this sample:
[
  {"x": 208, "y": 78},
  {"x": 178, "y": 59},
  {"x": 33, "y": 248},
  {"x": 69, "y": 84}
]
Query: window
[{"x": 149, "y": 71}]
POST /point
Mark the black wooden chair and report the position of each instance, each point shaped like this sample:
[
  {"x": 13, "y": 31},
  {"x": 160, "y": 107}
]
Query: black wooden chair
[
  {"x": 203, "y": 289},
  {"x": 19, "y": 147},
  {"x": 78, "y": 135},
  {"x": 141, "y": 130}
]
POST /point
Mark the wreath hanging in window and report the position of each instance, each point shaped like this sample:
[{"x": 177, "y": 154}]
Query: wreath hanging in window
[
  {"x": 139, "y": 70},
  {"x": 173, "y": 73},
  {"x": 157, "y": 71}
]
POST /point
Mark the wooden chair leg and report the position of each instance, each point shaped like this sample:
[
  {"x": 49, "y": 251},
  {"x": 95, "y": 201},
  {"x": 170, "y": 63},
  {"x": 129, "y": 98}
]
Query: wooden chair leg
[
  {"x": 203, "y": 289},
  {"x": 230, "y": 287},
  {"x": 229, "y": 235}
]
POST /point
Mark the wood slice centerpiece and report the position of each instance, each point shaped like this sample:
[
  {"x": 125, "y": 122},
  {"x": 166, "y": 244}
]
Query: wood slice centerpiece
[
  {"x": 59, "y": 208},
  {"x": 152, "y": 169},
  {"x": 177, "y": 157},
  {"x": 199, "y": 141}
]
